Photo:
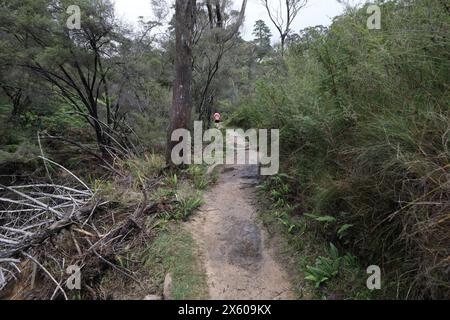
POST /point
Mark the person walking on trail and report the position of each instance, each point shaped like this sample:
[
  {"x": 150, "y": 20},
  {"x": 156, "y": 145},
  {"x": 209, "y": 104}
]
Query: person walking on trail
[{"x": 217, "y": 117}]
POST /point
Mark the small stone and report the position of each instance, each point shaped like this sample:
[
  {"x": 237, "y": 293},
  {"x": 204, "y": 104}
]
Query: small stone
[
  {"x": 167, "y": 287},
  {"x": 153, "y": 297}
]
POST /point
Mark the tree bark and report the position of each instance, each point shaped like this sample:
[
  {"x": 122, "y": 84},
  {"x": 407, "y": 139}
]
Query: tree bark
[{"x": 182, "y": 95}]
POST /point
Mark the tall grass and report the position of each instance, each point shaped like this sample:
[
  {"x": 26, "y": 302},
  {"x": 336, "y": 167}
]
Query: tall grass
[{"x": 365, "y": 137}]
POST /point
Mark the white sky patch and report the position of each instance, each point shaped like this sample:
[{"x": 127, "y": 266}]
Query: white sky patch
[
  {"x": 318, "y": 12},
  {"x": 130, "y": 10}
]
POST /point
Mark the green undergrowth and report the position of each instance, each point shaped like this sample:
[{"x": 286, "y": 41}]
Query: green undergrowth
[
  {"x": 171, "y": 248},
  {"x": 364, "y": 124},
  {"x": 318, "y": 269},
  {"x": 173, "y": 251}
]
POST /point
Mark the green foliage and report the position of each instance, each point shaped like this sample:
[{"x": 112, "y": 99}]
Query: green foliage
[
  {"x": 325, "y": 268},
  {"x": 197, "y": 174},
  {"x": 342, "y": 231},
  {"x": 171, "y": 181},
  {"x": 185, "y": 207},
  {"x": 321, "y": 218},
  {"x": 55, "y": 120},
  {"x": 19, "y": 159},
  {"x": 146, "y": 168},
  {"x": 284, "y": 218},
  {"x": 173, "y": 250},
  {"x": 183, "y": 188},
  {"x": 278, "y": 188},
  {"x": 262, "y": 35},
  {"x": 365, "y": 137},
  {"x": 363, "y": 115}
]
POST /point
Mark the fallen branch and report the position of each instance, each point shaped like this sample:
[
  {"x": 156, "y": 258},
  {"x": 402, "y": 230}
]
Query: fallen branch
[{"x": 48, "y": 273}]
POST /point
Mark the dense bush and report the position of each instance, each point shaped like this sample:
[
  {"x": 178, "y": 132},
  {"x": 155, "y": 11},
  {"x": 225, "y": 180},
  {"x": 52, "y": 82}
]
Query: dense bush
[{"x": 365, "y": 137}]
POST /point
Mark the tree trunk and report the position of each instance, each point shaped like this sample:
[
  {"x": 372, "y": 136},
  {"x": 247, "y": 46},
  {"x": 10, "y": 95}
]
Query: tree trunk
[{"x": 182, "y": 95}]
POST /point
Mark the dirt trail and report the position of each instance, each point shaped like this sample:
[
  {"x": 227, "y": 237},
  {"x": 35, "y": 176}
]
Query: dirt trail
[{"x": 232, "y": 245}]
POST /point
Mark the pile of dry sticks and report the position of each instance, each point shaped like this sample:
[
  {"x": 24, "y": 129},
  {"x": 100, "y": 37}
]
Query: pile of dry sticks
[{"x": 38, "y": 220}]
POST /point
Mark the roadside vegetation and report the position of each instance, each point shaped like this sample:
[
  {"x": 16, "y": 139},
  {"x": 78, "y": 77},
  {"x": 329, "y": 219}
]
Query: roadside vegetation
[
  {"x": 365, "y": 131},
  {"x": 85, "y": 172}
]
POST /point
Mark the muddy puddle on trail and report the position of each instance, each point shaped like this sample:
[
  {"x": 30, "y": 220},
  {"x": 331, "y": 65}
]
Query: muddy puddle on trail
[{"x": 231, "y": 243}]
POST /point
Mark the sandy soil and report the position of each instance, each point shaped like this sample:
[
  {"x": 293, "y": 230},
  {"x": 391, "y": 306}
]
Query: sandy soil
[{"x": 231, "y": 243}]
